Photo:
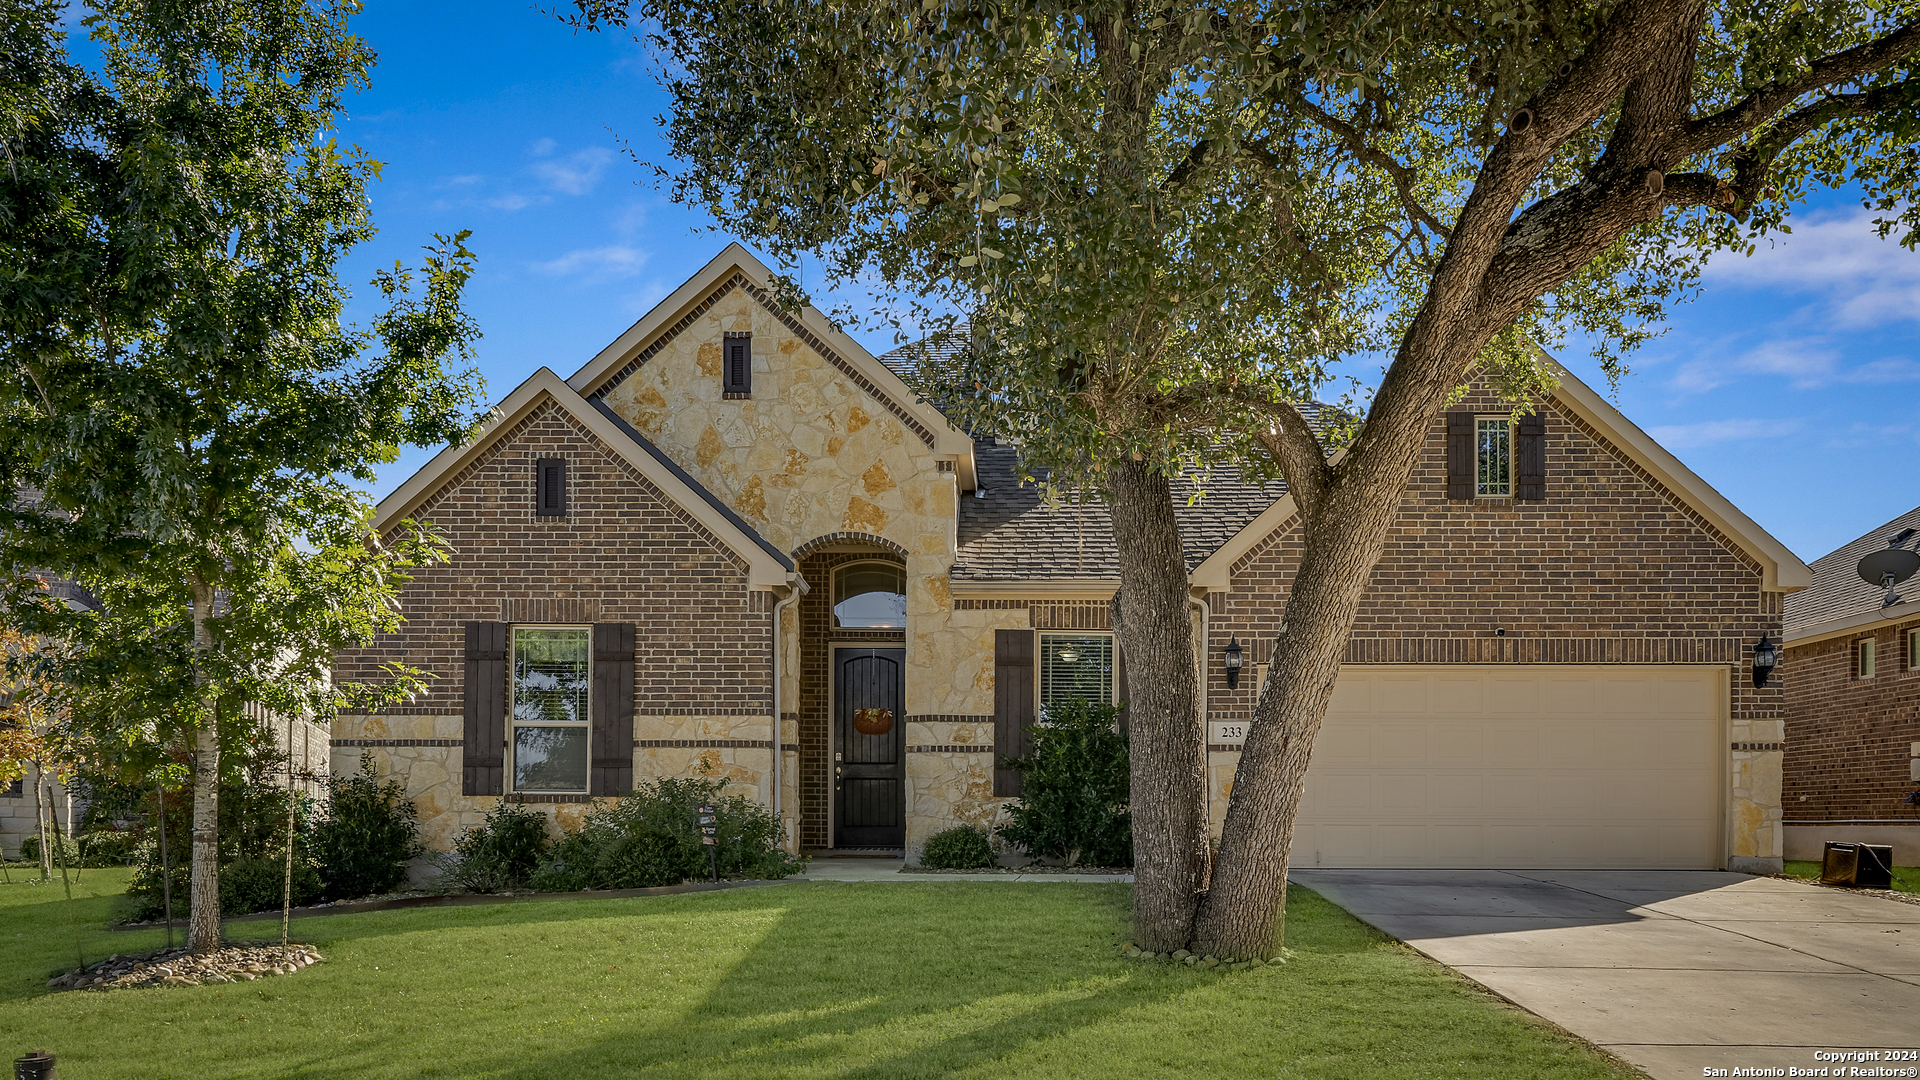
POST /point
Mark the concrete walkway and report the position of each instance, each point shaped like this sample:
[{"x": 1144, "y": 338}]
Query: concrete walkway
[
  {"x": 829, "y": 868},
  {"x": 1675, "y": 972}
]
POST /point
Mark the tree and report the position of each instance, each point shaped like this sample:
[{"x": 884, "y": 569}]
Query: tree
[
  {"x": 1167, "y": 221},
  {"x": 34, "y": 746},
  {"x": 186, "y": 417}
]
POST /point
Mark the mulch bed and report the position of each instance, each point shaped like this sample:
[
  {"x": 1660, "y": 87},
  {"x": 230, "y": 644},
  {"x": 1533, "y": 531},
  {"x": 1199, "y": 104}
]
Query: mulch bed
[
  {"x": 233, "y": 962},
  {"x": 1035, "y": 868}
]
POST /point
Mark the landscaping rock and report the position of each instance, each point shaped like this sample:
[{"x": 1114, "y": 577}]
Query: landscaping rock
[
  {"x": 177, "y": 967},
  {"x": 1181, "y": 954}
]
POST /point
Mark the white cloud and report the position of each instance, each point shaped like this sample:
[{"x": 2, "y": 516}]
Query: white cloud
[
  {"x": 1864, "y": 281},
  {"x": 1706, "y": 432},
  {"x": 575, "y": 174},
  {"x": 596, "y": 264},
  {"x": 542, "y": 147},
  {"x": 1806, "y": 364}
]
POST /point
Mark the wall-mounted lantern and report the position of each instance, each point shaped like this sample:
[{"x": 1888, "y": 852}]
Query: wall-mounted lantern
[
  {"x": 1233, "y": 662},
  {"x": 1766, "y": 657}
]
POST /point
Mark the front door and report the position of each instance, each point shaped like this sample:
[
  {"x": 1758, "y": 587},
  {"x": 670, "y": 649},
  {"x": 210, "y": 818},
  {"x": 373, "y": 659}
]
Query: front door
[{"x": 869, "y": 749}]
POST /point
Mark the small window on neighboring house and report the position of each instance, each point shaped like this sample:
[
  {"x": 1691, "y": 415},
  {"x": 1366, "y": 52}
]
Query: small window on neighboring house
[
  {"x": 1075, "y": 666},
  {"x": 550, "y": 718},
  {"x": 736, "y": 359},
  {"x": 1493, "y": 457},
  {"x": 550, "y": 487},
  {"x": 870, "y": 596},
  {"x": 1863, "y": 658},
  {"x": 1913, "y": 650}
]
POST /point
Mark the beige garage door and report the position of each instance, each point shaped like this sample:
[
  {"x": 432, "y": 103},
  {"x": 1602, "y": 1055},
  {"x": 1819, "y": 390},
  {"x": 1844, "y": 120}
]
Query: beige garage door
[{"x": 1502, "y": 767}]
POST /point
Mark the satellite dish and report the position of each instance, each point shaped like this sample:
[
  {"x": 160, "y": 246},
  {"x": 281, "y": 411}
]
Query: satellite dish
[{"x": 1897, "y": 563}]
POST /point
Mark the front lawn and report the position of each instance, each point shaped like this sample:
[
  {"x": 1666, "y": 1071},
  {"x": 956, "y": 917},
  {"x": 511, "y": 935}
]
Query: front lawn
[
  {"x": 1905, "y": 878},
  {"x": 963, "y": 979}
]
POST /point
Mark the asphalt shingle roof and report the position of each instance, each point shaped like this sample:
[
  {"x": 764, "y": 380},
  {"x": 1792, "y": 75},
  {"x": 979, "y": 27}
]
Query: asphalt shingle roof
[
  {"x": 1011, "y": 535},
  {"x": 1837, "y": 590}
]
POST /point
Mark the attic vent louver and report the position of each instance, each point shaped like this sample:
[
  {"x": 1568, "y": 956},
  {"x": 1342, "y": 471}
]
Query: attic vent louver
[
  {"x": 550, "y": 487},
  {"x": 736, "y": 374}
]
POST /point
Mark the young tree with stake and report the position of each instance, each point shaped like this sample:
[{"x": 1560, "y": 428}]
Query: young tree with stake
[{"x": 186, "y": 416}]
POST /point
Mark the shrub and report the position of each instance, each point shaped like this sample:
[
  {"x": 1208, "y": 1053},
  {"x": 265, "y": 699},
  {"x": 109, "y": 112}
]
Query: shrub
[
  {"x": 501, "y": 852},
  {"x": 1073, "y": 789},
  {"x": 370, "y": 833},
  {"x": 108, "y": 848},
  {"x": 649, "y": 837},
  {"x": 63, "y": 848},
  {"x": 256, "y": 884},
  {"x": 960, "y": 848},
  {"x": 252, "y": 852}
]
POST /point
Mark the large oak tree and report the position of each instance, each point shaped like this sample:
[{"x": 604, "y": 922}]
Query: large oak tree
[{"x": 1167, "y": 221}]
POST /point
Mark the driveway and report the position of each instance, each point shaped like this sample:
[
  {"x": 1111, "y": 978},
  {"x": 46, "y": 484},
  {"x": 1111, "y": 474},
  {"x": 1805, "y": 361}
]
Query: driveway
[{"x": 1676, "y": 972}]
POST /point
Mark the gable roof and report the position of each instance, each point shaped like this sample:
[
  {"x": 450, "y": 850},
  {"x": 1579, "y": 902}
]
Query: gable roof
[
  {"x": 767, "y": 564},
  {"x": 736, "y": 265},
  {"x": 1011, "y": 536},
  {"x": 1838, "y": 601}
]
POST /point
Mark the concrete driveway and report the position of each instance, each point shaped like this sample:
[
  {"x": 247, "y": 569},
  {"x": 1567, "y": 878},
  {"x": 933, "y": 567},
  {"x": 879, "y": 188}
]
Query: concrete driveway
[{"x": 1677, "y": 972}]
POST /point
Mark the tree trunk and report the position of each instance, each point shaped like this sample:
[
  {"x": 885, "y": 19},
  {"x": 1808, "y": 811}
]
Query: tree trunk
[
  {"x": 1344, "y": 527},
  {"x": 1167, "y": 745},
  {"x": 40, "y": 813},
  {"x": 203, "y": 921}
]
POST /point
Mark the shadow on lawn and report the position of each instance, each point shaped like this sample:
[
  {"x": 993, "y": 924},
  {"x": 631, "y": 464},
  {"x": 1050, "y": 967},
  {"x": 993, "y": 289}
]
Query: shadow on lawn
[{"x": 930, "y": 999}]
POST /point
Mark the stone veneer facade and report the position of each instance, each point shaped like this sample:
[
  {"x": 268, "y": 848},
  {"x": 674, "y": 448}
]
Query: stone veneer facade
[{"x": 1610, "y": 568}]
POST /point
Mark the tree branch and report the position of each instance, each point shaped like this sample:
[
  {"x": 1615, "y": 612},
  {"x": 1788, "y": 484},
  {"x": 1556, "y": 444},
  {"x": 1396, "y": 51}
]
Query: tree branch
[
  {"x": 1750, "y": 112},
  {"x": 1751, "y": 164},
  {"x": 1402, "y": 175},
  {"x": 1302, "y": 459}
]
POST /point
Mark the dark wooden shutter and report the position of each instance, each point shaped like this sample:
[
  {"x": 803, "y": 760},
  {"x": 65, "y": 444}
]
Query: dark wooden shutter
[
  {"x": 1459, "y": 455},
  {"x": 484, "y": 736},
  {"x": 738, "y": 362},
  {"x": 612, "y": 709},
  {"x": 550, "y": 487},
  {"x": 1530, "y": 460},
  {"x": 1013, "y": 704}
]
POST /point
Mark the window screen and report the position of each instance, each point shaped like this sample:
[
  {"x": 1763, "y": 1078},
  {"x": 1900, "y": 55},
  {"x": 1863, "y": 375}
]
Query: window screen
[
  {"x": 1076, "y": 666},
  {"x": 552, "y": 669},
  {"x": 1493, "y": 457}
]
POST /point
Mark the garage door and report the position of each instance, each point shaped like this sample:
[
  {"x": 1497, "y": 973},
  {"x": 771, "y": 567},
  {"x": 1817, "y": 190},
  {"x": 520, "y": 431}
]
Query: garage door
[{"x": 1501, "y": 767}]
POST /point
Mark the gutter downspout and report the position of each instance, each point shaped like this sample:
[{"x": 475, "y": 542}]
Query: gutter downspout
[
  {"x": 1206, "y": 696},
  {"x": 797, "y": 589}
]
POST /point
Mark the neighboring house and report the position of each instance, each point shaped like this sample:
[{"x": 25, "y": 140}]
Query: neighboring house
[
  {"x": 732, "y": 506},
  {"x": 1852, "y": 673}
]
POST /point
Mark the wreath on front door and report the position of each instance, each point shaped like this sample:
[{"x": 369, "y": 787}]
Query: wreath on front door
[{"x": 873, "y": 721}]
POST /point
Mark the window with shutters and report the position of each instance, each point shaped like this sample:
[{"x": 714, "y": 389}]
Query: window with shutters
[
  {"x": 1076, "y": 666},
  {"x": 550, "y": 487},
  {"x": 736, "y": 361},
  {"x": 1492, "y": 457},
  {"x": 1863, "y": 658},
  {"x": 550, "y": 712}
]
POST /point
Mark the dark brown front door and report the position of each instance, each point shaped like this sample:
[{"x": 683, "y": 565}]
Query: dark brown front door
[{"x": 870, "y": 743}]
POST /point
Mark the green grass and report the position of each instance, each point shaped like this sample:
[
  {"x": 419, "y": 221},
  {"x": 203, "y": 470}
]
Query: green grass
[
  {"x": 1905, "y": 878},
  {"x": 967, "y": 979}
]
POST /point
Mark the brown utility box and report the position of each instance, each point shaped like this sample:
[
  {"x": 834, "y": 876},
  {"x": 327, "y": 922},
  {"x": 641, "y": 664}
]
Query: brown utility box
[{"x": 1859, "y": 866}]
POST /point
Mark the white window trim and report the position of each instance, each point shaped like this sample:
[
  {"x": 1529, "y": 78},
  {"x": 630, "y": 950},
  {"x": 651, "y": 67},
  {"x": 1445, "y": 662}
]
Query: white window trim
[
  {"x": 1866, "y": 660},
  {"x": 1040, "y": 660},
  {"x": 1512, "y": 439},
  {"x": 513, "y": 632},
  {"x": 1913, "y": 650}
]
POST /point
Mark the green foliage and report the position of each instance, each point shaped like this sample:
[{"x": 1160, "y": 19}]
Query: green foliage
[
  {"x": 500, "y": 853},
  {"x": 962, "y": 847},
  {"x": 650, "y": 837},
  {"x": 370, "y": 833},
  {"x": 1073, "y": 789}
]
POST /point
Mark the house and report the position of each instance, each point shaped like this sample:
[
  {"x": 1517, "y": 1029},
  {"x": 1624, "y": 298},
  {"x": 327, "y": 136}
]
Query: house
[
  {"x": 1852, "y": 668},
  {"x": 733, "y": 506}
]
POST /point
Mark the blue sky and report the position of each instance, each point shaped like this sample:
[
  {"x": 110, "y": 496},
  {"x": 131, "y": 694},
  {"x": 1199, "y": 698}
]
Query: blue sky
[{"x": 1791, "y": 385}]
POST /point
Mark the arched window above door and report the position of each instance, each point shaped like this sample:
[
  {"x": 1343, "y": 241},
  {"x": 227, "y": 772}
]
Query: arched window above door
[{"x": 870, "y": 596}]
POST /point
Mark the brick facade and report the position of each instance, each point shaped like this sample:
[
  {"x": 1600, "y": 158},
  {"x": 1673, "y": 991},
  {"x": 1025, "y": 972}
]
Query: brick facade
[
  {"x": 622, "y": 552},
  {"x": 1849, "y": 739}
]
